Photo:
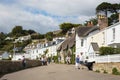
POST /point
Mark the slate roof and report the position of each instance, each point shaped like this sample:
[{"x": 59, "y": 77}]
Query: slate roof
[
  {"x": 84, "y": 31},
  {"x": 95, "y": 46}
]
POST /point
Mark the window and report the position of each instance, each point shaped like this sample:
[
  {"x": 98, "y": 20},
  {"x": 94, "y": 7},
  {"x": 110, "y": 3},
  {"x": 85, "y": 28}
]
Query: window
[
  {"x": 103, "y": 37},
  {"x": 82, "y": 42},
  {"x": 36, "y": 51},
  {"x": 113, "y": 33}
]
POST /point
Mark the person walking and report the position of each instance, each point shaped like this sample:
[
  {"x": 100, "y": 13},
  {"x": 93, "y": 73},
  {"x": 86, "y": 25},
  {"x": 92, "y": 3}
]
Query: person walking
[
  {"x": 82, "y": 60},
  {"x": 24, "y": 62},
  {"x": 77, "y": 60}
]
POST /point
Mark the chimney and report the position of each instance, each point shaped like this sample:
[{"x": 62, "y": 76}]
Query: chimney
[
  {"x": 102, "y": 21},
  {"x": 89, "y": 24}
]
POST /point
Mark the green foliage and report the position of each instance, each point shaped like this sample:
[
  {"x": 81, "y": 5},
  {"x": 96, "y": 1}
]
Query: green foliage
[
  {"x": 115, "y": 71},
  {"x": 112, "y": 9},
  {"x": 2, "y": 39},
  {"x": 73, "y": 55},
  {"x": 113, "y": 19},
  {"x": 17, "y": 31},
  {"x": 31, "y": 31},
  {"x": 67, "y": 26},
  {"x": 103, "y": 7},
  {"x": 37, "y": 36},
  {"x": 49, "y": 36},
  {"x": 106, "y": 50},
  {"x": 73, "y": 59},
  {"x": 55, "y": 58},
  {"x": 109, "y": 50},
  {"x": 115, "y": 8}
]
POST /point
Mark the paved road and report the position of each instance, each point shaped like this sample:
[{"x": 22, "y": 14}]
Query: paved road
[{"x": 57, "y": 72}]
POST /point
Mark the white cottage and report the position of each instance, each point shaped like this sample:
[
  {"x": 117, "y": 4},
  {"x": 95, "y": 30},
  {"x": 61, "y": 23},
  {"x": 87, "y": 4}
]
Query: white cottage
[
  {"x": 89, "y": 39},
  {"x": 39, "y": 49}
]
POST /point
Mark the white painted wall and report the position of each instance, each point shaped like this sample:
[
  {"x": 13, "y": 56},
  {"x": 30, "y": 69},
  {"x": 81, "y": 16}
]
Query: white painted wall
[
  {"x": 80, "y": 48},
  {"x": 110, "y": 34},
  {"x": 98, "y": 37},
  {"x": 52, "y": 51}
]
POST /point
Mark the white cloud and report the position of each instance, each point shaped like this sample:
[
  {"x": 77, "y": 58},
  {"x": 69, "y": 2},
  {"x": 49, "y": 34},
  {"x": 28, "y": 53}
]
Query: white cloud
[
  {"x": 66, "y": 7},
  {"x": 10, "y": 17},
  {"x": 76, "y": 11}
]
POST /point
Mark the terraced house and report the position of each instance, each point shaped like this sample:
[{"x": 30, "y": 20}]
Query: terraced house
[
  {"x": 89, "y": 39},
  {"x": 48, "y": 49}
]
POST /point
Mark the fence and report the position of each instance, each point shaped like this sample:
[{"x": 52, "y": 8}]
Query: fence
[{"x": 106, "y": 58}]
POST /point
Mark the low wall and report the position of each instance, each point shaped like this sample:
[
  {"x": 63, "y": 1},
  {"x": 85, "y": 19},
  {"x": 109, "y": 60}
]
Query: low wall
[
  {"x": 106, "y": 67},
  {"x": 11, "y": 66}
]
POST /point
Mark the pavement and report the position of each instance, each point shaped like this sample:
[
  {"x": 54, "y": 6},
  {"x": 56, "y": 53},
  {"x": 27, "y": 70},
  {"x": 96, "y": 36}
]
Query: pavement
[{"x": 58, "y": 72}]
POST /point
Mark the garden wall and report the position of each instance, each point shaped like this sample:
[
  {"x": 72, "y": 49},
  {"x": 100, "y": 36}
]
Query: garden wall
[
  {"x": 106, "y": 67},
  {"x": 11, "y": 66}
]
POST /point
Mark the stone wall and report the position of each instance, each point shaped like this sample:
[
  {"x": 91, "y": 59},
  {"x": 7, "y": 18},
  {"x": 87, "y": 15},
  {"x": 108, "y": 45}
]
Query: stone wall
[
  {"x": 11, "y": 66},
  {"x": 106, "y": 67}
]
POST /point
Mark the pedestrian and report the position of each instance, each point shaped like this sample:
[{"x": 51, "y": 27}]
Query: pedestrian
[
  {"x": 24, "y": 62},
  {"x": 49, "y": 60},
  {"x": 67, "y": 60},
  {"x": 42, "y": 60},
  {"x": 82, "y": 60},
  {"x": 77, "y": 60}
]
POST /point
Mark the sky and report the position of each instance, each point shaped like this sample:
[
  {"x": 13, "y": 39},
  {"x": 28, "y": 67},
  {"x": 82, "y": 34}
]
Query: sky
[{"x": 45, "y": 15}]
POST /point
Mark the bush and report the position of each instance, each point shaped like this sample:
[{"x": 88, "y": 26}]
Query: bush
[
  {"x": 115, "y": 71},
  {"x": 109, "y": 50},
  {"x": 106, "y": 50},
  {"x": 55, "y": 58}
]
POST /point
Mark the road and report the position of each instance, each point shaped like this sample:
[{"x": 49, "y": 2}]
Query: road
[{"x": 57, "y": 72}]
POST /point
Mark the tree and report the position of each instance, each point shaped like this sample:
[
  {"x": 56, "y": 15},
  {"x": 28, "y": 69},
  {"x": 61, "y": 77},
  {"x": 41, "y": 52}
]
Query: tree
[
  {"x": 104, "y": 7},
  {"x": 115, "y": 8},
  {"x": 17, "y": 31},
  {"x": 66, "y": 26},
  {"x": 113, "y": 19},
  {"x": 49, "y": 36},
  {"x": 31, "y": 31},
  {"x": 112, "y": 9},
  {"x": 37, "y": 36},
  {"x": 2, "y": 39}
]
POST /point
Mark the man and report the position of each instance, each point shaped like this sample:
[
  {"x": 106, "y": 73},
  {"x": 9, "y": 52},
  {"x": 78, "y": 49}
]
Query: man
[
  {"x": 82, "y": 59},
  {"x": 77, "y": 60},
  {"x": 24, "y": 62}
]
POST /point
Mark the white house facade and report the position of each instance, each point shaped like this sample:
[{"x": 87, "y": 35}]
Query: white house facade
[
  {"x": 36, "y": 51},
  {"x": 91, "y": 39}
]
